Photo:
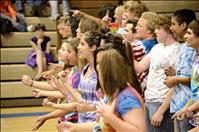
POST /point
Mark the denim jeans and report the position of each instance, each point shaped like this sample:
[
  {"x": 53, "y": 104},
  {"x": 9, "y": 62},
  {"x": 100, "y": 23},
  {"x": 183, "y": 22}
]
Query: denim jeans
[
  {"x": 182, "y": 126},
  {"x": 55, "y": 10},
  {"x": 167, "y": 124},
  {"x": 19, "y": 6}
]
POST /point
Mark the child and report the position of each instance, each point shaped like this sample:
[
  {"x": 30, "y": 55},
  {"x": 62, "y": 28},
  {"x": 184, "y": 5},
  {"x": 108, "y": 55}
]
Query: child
[
  {"x": 192, "y": 37},
  {"x": 67, "y": 52},
  {"x": 157, "y": 94},
  {"x": 122, "y": 101},
  {"x": 88, "y": 81},
  {"x": 40, "y": 54},
  {"x": 180, "y": 81}
]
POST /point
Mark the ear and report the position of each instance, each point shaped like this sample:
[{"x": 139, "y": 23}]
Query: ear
[
  {"x": 93, "y": 48},
  {"x": 184, "y": 25}
]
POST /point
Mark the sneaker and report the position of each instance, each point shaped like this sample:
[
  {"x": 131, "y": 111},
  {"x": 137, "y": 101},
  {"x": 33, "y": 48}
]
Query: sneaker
[
  {"x": 30, "y": 28},
  {"x": 54, "y": 18}
]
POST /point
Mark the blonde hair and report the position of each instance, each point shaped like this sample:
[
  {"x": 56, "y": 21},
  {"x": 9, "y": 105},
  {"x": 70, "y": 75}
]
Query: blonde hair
[
  {"x": 151, "y": 18},
  {"x": 119, "y": 10},
  {"x": 135, "y": 6},
  {"x": 73, "y": 43}
]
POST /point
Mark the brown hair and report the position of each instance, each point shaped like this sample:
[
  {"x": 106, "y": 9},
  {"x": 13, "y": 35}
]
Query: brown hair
[
  {"x": 116, "y": 70},
  {"x": 87, "y": 24},
  {"x": 164, "y": 21},
  {"x": 92, "y": 38},
  {"x": 194, "y": 26},
  {"x": 40, "y": 26},
  {"x": 59, "y": 38},
  {"x": 73, "y": 43},
  {"x": 125, "y": 50}
]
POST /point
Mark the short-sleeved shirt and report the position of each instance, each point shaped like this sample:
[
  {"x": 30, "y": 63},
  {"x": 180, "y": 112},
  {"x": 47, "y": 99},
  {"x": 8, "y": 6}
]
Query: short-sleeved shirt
[
  {"x": 182, "y": 93},
  {"x": 161, "y": 57},
  {"x": 126, "y": 101},
  {"x": 73, "y": 78},
  {"x": 87, "y": 88},
  {"x": 195, "y": 80},
  {"x": 148, "y": 45},
  {"x": 46, "y": 39}
]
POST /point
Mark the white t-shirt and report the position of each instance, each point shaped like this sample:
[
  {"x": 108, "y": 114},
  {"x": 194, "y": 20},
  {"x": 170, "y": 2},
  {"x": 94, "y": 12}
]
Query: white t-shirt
[{"x": 160, "y": 58}]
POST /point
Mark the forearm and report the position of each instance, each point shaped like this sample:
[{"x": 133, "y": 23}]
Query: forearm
[
  {"x": 54, "y": 94},
  {"x": 69, "y": 107},
  {"x": 166, "y": 104},
  {"x": 42, "y": 86},
  {"x": 85, "y": 127},
  {"x": 183, "y": 80},
  {"x": 97, "y": 20},
  {"x": 56, "y": 114},
  {"x": 63, "y": 90},
  {"x": 122, "y": 126},
  {"x": 142, "y": 65},
  {"x": 194, "y": 107},
  {"x": 48, "y": 48},
  {"x": 76, "y": 95}
]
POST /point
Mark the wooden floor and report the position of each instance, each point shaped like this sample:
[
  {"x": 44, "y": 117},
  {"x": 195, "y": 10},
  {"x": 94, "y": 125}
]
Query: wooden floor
[{"x": 22, "y": 119}]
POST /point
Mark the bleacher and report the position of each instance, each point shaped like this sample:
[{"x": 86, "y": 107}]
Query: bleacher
[{"x": 15, "y": 49}]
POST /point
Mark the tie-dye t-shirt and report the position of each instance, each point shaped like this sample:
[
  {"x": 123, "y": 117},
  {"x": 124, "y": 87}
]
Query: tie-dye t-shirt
[
  {"x": 127, "y": 100},
  {"x": 182, "y": 93},
  {"x": 195, "y": 80},
  {"x": 87, "y": 89}
]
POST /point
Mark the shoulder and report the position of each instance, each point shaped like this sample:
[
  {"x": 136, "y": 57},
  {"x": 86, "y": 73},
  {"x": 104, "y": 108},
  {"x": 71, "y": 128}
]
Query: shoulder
[
  {"x": 47, "y": 38},
  {"x": 127, "y": 101},
  {"x": 34, "y": 39}
]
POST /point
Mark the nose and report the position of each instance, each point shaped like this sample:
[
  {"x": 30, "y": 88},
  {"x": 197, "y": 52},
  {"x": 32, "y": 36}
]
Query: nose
[
  {"x": 156, "y": 31},
  {"x": 186, "y": 36}
]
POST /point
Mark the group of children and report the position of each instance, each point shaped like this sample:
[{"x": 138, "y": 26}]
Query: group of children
[{"x": 101, "y": 76}]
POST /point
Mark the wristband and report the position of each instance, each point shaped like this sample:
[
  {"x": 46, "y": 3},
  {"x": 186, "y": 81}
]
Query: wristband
[{"x": 31, "y": 83}]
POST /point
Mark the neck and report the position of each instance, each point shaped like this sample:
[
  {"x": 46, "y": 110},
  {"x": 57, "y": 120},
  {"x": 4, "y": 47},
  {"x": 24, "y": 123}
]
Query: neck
[
  {"x": 169, "y": 40},
  {"x": 90, "y": 62},
  {"x": 148, "y": 37},
  {"x": 181, "y": 39}
]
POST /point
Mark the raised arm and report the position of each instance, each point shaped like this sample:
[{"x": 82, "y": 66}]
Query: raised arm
[
  {"x": 142, "y": 65},
  {"x": 27, "y": 80}
]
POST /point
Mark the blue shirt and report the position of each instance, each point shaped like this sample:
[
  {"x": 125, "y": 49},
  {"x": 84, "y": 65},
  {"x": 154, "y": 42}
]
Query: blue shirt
[
  {"x": 126, "y": 101},
  {"x": 182, "y": 93},
  {"x": 195, "y": 80},
  {"x": 148, "y": 44}
]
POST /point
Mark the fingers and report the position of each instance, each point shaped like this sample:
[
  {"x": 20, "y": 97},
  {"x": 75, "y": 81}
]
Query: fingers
[
  {"x": 174, "y": 116},
  {"x": 178, "y": 115},
  {"x": 156, "y": 123}
]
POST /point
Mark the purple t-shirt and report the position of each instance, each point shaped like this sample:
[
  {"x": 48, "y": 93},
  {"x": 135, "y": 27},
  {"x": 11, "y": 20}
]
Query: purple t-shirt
[
  {"x": 46, "y": 39},
  {"x": 73, "y": 79}
]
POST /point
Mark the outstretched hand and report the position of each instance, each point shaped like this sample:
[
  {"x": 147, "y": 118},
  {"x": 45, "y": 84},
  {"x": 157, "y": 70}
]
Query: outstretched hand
[
  {"x": 27, "y": 80},
  {"x": 54, "y": 82},
  {"x": 77, "y": 13},
  {"x": 37, "y": 93},
  {"x": 39, "y": 122},
  {"x": 105, "y": 110},
  {"x": 66, "y": 127},
  {"x": 47, "y": 103}
]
